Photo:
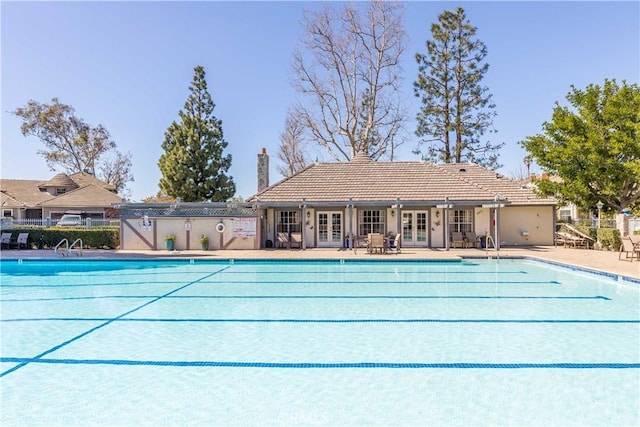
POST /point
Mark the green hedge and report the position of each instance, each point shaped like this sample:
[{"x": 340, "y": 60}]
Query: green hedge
[
  {"x": 609, "y": 238},
  {"x": 48, "y": 238}
]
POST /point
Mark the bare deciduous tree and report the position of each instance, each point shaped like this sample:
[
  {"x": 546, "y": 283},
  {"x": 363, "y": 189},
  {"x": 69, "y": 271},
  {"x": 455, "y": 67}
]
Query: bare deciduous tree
[
  {"x": 348, "y": 69},
  {"x": 292, "y": 151}
]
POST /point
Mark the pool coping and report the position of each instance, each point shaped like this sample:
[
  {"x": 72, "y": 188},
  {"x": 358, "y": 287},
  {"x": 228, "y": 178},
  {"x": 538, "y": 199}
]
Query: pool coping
[{"x": 620, "y": 278}]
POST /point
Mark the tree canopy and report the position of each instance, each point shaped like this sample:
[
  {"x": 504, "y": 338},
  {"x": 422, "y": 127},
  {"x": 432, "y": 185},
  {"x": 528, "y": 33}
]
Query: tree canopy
[
  {"x": 73, "y": 144},
  {"x": 193, "y": 165},
  {"x": 456, "y": 109},
  {"x": 592, "y": 147},
  {"x": 348, "y": 71}
]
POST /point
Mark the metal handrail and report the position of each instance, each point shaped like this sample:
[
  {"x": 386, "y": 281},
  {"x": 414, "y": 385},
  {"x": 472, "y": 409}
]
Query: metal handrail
[
  {"x": 68, "y": 247},
  {"x": 495, "y": 248},
  {"x": 55, "y": 250},
  {"x": 73, "y": 244}
]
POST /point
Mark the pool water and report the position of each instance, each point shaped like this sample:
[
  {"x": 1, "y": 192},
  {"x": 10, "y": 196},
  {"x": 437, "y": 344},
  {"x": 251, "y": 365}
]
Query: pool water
[{"x": 476, "y": 342}]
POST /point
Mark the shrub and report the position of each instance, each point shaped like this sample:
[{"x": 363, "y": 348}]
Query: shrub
[
  {"x": 48, "y": 238},
  {"x": 609, "y": 238}
]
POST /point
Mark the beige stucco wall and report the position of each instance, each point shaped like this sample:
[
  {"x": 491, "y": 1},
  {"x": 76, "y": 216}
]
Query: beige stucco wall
[
  {"x": 536, "y": 220},
  {"x": 135, "y": 236}
]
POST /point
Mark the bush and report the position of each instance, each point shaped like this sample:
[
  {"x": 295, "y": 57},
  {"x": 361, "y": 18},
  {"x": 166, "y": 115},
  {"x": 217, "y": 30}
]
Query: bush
[
  {"x": 48, "y": 238},
  {"x": 609, "y": 238}
]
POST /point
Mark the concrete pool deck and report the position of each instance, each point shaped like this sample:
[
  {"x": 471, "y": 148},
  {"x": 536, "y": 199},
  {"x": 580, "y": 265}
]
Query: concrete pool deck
[{"x": 604, "y": 261}]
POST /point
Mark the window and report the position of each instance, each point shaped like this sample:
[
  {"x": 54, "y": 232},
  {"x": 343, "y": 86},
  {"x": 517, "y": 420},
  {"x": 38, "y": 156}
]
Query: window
[
  {"x": 60, "y": 191},
  {"x": 461, "y": 220},
  {"x": 564, "y": 214},
  {"x": 370, "y": 221},
  {"x": 289, "y": 222},
  {"x": 7, "y": 213}
]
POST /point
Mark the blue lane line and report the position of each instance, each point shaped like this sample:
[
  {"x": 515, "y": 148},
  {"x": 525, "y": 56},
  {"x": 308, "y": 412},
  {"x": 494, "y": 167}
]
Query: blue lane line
[
  {"x": 214, "y": 320},
  {"x": 284, "y": 282},
  {"x": 354, "y": 365},
  {"x": 596, "y": 297},
  {"x": 57, "y": 347}
]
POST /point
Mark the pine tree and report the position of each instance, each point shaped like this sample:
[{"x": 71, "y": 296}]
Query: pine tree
[
  {"x": 193, "y": 165},
  {"x": 456, "y": 109}
]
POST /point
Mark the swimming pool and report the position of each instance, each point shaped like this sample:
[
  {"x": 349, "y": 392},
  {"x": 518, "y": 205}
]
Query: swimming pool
[{"x": 473, "y": 342}]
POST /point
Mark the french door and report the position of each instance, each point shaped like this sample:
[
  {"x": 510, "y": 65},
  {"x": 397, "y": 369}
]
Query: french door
[
  {"x": 415, "y": 228},
  {"x": 329, "y": 229}
]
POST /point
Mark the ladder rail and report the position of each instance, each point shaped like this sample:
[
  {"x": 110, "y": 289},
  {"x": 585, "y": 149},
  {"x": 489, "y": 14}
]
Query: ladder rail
[
  {"x": 73, "y": 244},
  {"x": 55, "y": 250},
  {"x": 68, "y": 247},
  {"x": 495, "y": 248}
]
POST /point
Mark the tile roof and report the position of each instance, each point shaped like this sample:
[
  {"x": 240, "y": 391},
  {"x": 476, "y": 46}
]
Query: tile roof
[
  {"x": 23, "y": 192},
  {"x": 88, "y": 196},
  {"x": 365, "y": 180},
  {"x": 60, "y": 180},
  {"x": 27, "y": 193}
]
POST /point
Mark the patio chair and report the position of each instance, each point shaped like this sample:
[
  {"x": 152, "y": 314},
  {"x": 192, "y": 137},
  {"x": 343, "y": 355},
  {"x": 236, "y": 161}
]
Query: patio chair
[
  {"x": 457, "y": 238},
  {"x": 629, "y": 250},
  {"x": 376, "y": 243},
  {"x": 5, "y": 239},
  {"x": 569, "y": 239},
  {"x": 23, "y": 239},
  {"x": 283, "y": 240},
  {"x": 394, "y": 245},
  {"x": 295, "y": 239},
  {"x": 573, "y": 230},
  {"x": 471, "y": 240}
]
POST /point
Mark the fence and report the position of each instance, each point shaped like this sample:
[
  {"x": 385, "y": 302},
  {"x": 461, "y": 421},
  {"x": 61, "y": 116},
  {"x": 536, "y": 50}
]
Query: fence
[{"x": 9, "y": 222}]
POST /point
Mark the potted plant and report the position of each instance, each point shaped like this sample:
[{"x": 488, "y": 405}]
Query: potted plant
[
  {"x": 483, "y": 240},
  {"x": 204, "y": 243},
  {"x": 170, "y": 242}
]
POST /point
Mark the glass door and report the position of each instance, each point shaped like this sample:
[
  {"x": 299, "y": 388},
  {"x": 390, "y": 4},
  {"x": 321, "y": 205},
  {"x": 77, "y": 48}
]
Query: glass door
[
  {"x": 414, "y": 228},
  {"x": 329, "y": 229}
]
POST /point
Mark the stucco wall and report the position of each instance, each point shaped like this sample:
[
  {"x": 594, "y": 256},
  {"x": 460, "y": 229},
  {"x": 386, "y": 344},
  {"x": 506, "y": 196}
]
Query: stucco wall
[
  {"x": 135, "y": 236},
  {"x": 536, "y": 220}
]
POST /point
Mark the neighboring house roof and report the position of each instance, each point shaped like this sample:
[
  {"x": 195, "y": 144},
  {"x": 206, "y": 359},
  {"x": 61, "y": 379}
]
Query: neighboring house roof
[
  {"x": 24, "y": 192},
  {"x": 83, "y": 190},
  {"x": 83, "y": 178},
  {"x": 88, "y": 196},
  {"x": 364, "y": 180},
  {"x": 62, "y": 180}
]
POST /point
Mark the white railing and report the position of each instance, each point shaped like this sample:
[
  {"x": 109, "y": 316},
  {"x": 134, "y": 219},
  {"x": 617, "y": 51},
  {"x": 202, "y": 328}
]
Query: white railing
[{"x": 37, "y": 222}]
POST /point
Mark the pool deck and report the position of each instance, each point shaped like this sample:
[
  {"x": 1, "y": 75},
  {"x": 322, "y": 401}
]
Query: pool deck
[{"x": 604, "y": 261}]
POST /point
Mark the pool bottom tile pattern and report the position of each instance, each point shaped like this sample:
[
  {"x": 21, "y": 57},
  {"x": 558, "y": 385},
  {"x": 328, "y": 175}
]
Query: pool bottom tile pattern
[{"x": 376, "y": 344}]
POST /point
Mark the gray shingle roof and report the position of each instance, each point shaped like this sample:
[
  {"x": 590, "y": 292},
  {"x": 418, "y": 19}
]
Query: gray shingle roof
[{"x": 364, "y": 180}]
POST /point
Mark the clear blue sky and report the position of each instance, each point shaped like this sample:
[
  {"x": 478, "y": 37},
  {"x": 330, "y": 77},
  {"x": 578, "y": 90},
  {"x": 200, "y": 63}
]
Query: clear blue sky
[{"x": 128, "y": 65}]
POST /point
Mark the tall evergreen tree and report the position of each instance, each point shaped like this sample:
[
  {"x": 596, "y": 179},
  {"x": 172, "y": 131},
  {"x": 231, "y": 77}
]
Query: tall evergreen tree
[
  {"x": 456, "y": 109},
  {"x": 193, "y": 165}
]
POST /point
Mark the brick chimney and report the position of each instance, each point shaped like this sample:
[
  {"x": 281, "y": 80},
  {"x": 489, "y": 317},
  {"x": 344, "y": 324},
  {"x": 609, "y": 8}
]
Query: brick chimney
[{"x": 263, "y": 170}]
